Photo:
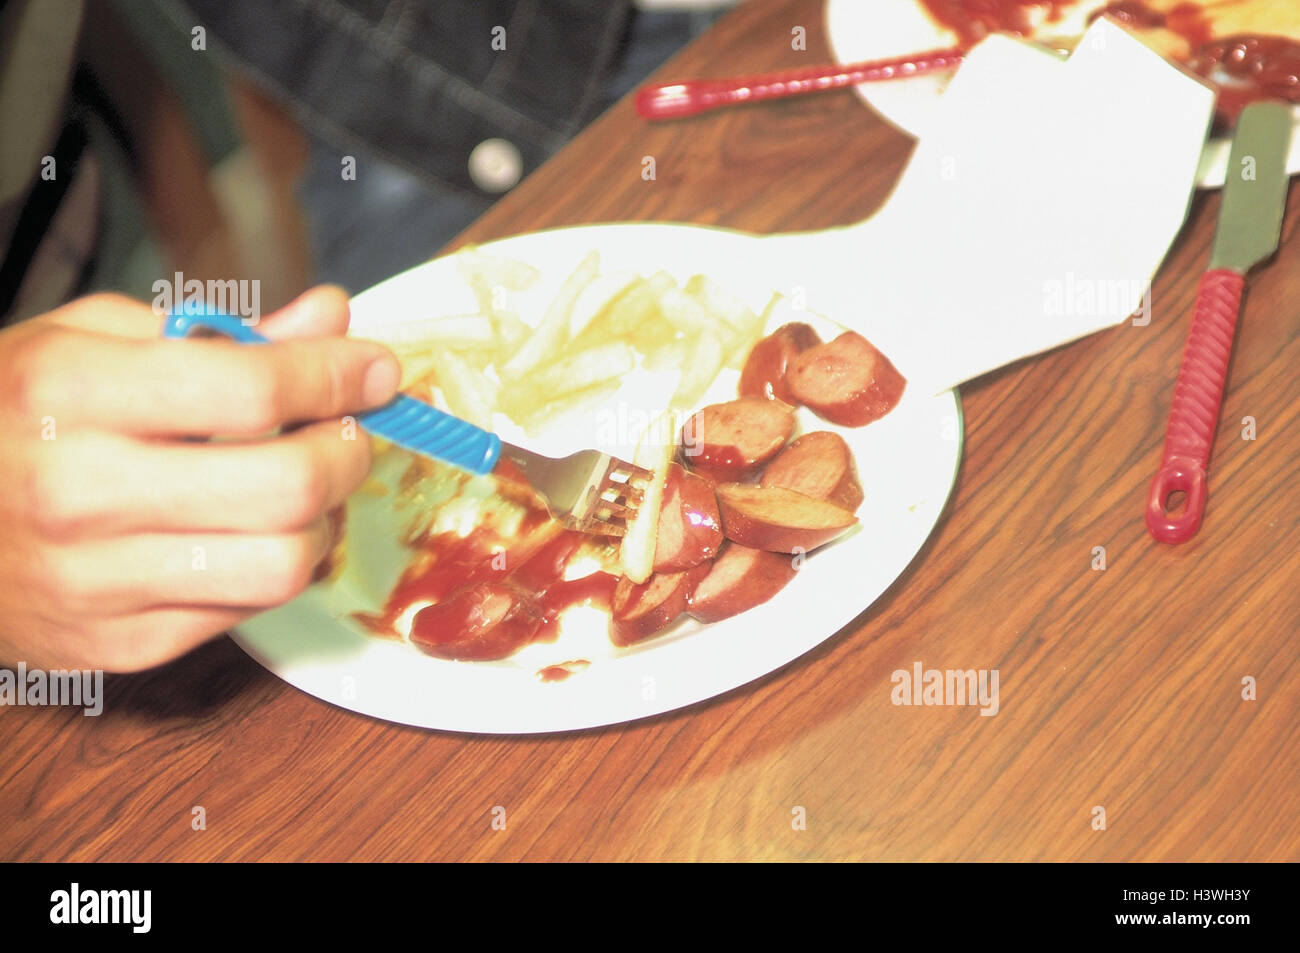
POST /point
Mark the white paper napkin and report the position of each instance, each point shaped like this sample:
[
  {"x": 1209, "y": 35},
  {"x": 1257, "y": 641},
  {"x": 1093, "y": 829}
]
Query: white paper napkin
[{"x": 1036, "y": 211}]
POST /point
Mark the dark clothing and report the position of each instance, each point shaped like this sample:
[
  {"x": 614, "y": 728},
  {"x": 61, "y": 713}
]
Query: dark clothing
[
  {"x": 419, "y": 81},
  {"x": 408, "y": 88}
]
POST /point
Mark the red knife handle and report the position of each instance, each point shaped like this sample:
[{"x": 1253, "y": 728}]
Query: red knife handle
[
  {"x": 675, "y": 100},
  {"x": 1194, "y": 417}
]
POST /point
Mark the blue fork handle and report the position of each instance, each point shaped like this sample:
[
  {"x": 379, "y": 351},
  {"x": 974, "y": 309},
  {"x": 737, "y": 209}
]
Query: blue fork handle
[{"x": 407, "y": 422}]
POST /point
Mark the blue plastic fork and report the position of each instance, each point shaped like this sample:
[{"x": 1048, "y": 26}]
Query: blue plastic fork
[
  {"x": 407, "y": 422},
  {"x": 589, "y": 491}
]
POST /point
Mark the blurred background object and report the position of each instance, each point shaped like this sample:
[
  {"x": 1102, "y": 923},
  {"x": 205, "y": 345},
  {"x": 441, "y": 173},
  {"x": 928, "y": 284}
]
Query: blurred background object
[{"x": 340, "y": 141}]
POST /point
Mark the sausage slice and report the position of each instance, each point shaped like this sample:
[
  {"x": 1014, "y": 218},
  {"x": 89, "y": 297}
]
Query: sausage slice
[
  {"x": 477, "y": 623},
  {"x": 641, "y": 610},
  {"x": 728, "y": 442},
  {"x": 764, "y": 372},
  {"x": 779, "y": 520},
  {"x": 820, "y": 465},
  {"x": 846, "y": 381},
  {"x": 690, "y": 528},
  {"x": 738, "y": 580}
]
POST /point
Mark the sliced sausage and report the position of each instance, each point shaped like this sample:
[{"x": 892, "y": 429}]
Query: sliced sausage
[
  {"x": 477, "y": 623},
  {"x": 545, "y": 566},
  {"x": 846, "y": 381},
  {"x": 738, "y": 580},
  {"x": 728, "y": 442},
  {"x": 820, "y": 465},
  {"x": 690, "y": 529},
  {"x": 765, "y": 368},
  {"x": 777, "y": 519},
  {"x": 639, "y": 611}
]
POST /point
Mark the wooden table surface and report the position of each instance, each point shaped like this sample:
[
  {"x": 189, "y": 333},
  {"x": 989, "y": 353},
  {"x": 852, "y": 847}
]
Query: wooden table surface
[{"x": 1120, "y": 688}]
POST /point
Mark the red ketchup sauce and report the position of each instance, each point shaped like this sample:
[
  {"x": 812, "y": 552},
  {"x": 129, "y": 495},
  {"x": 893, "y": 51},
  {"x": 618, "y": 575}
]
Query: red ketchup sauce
[
  {"x": 491, "y": 596},
  {"x": 1256, "y": 67},
  {"x": 1245, "y": 69},
  {"x": 972, "y": 20},
  {"x": 562, "y": 670},
  {"x": 1188, "y": 20}
]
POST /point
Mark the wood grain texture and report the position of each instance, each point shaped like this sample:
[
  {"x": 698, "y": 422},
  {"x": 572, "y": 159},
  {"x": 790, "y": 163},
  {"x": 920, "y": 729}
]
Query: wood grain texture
[{"x": 1119, "y": 688}]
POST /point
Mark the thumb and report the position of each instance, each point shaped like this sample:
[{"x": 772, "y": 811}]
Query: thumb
[{"x": 318, "y": 312}]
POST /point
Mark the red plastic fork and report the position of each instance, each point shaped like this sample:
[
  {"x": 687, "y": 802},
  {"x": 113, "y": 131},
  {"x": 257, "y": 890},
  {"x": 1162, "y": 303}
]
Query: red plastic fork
[{"x": 676, "y": 100}]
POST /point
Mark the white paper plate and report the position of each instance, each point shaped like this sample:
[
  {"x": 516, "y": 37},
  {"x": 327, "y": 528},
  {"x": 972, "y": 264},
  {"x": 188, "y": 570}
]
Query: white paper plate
[
  {"x": 880, "y": 29},
  {"x": 907, "y": 462}
]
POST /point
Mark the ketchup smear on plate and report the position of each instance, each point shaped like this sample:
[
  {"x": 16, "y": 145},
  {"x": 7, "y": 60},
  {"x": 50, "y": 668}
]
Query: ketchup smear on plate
[
  {"x": 491, "y": 597},
  {"x": 972, "y": 20},
  {"x": 1244, "y": 68},
  {"x": 558, "y": 673}
]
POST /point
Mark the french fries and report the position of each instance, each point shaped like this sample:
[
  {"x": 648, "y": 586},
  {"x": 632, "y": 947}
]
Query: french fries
[
  {"x": 592, "y": 366},
  {"x": 706, "y": 359},
  {"x": 488, "y": 274},
  {"x": 549, "y": 337},
  {"x": 469, "y": 394},
  {"x": 596, "y": 365},
  {"x": 746, "y": 326},
  {"x": 452, "y": 330},
  {"x": 544, "y": 415},
  {"x": 626, "y": 312},
  {"x": 417, "y": 369},
  {"x": 597, "y": 329},
  {"x": 685, "y": 312},
  {"x": 720, "y": 303},
  {"x": 597, "y": 298},
  {"x": 655, "y": 453}
]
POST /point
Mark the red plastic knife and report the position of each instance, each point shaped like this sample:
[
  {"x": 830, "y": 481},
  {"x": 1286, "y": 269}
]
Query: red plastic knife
[{"x": 1250, "y": 226}]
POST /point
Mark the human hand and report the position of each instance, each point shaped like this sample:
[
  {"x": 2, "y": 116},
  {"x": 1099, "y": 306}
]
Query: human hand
[{"x": 126, "y": 542}]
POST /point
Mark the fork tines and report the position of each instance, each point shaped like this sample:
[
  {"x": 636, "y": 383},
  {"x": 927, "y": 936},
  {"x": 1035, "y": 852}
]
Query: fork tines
[{"x": 616, "y": 489}]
